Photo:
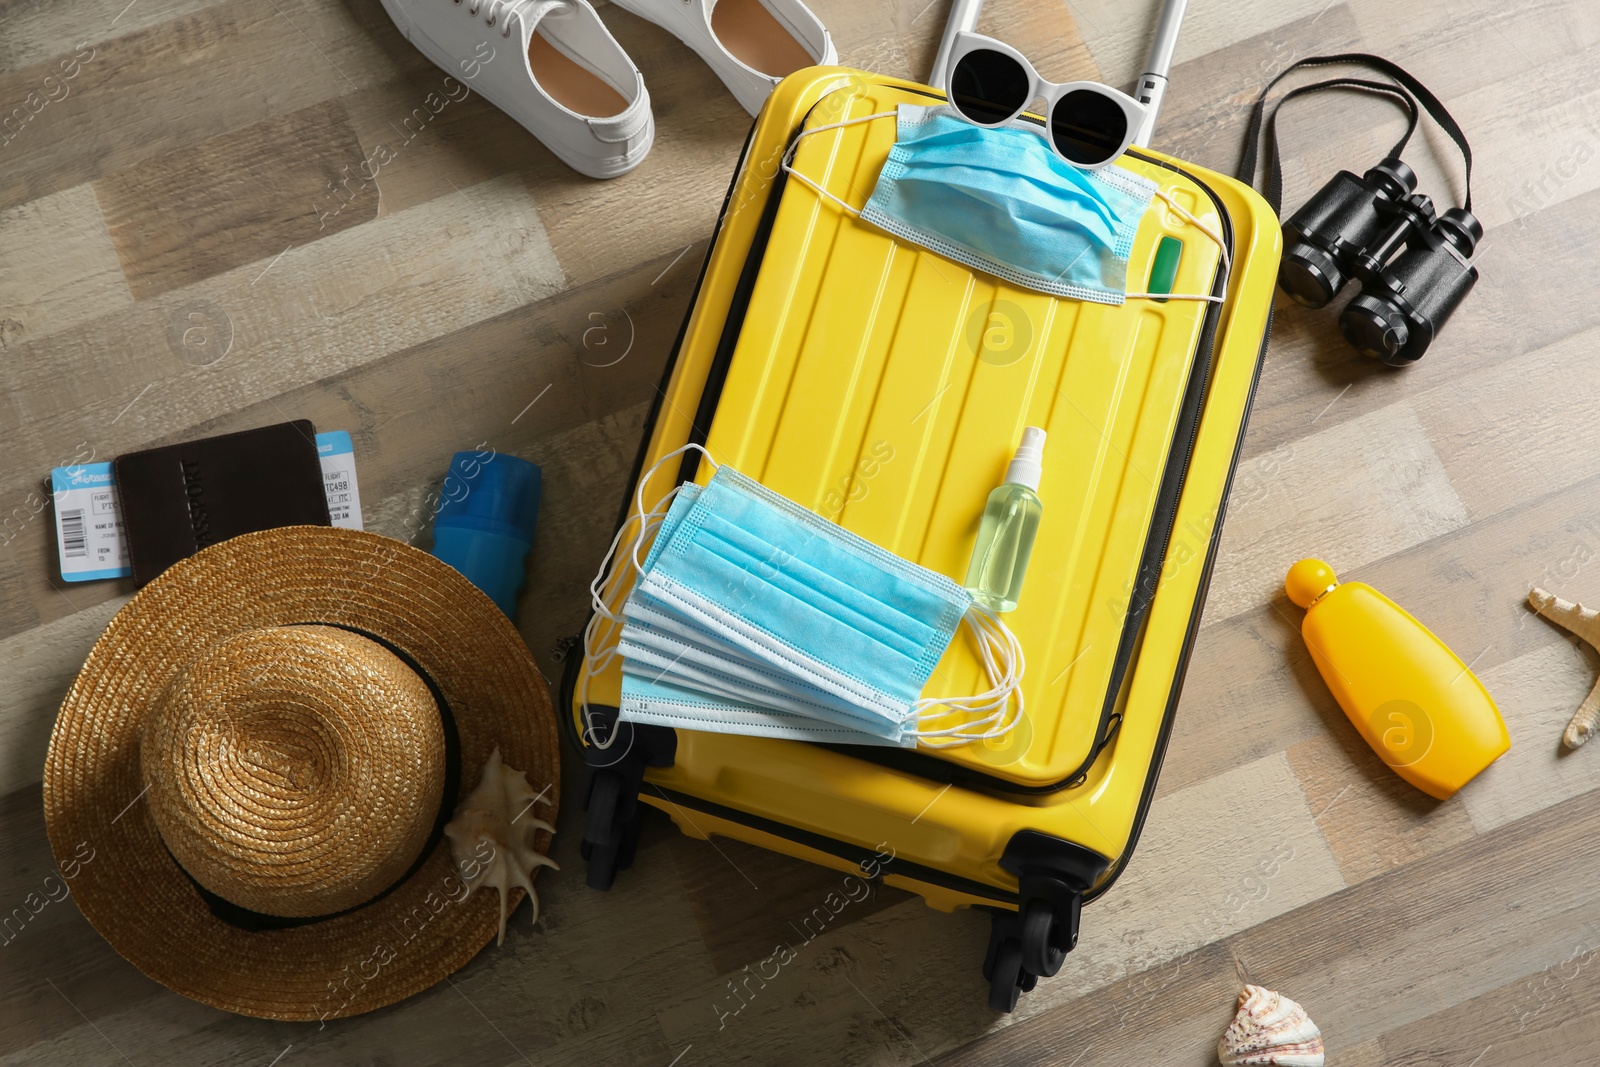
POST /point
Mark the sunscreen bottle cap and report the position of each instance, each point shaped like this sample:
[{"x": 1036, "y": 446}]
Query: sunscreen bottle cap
[{"x": 1308, "y": 581}]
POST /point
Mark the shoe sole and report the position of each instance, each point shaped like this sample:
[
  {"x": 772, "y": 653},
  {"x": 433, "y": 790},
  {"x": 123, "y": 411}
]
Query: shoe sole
[{"x": 588, "y": 167}]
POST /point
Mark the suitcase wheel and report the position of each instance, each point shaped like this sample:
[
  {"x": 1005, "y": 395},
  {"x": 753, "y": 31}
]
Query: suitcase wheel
[
  {"x": 611, "y": 832},
  {"x": 1003, "y": 965},
  {"x": 605, "y": 790},
  {"x": 606, "y": 861},
  {"x": 1047, "y": 936},
  {"x": 1029, "y": 944},
  {"x": 1007, "y": 976}
]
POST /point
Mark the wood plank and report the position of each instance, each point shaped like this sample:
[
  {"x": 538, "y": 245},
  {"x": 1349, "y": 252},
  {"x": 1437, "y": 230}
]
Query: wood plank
[
  {"x": 1545, "y": 1017},
  {"x": 1351, "y": 959},
  {"x": 1372, "y": 819},
  {"x": 247, "y": 195},
  {"x": 56, "y": 267},
  {"x": 1507, "y": 431},
  {"x": 1119, "y": 34},
  {"x": 1337, "y": 487},
  {"x": 343, "y": 301},
  {"x": 1251, "y": 690},
  {"x": 1537, "y": 694},
  {"x": 1219, "y": 856},
  {"x": 738, "y": 891},
  {"x": 36, "y": 31},
  {"x": 1505, "y": 45},
  {"x": 1208, "y": 103},
  {"x": 1556, "y": 132},
  {"x": 417, "y": 156},
  {"x": 46, "y": 659},
  {"x": 124, "y": 106},
  {"x": 1162, "y": 1015},
  {"x": 1471, "y": 904}
]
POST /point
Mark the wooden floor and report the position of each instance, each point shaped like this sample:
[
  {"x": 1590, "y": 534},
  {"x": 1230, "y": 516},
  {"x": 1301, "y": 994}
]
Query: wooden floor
[{"x": 174, "y": 262}]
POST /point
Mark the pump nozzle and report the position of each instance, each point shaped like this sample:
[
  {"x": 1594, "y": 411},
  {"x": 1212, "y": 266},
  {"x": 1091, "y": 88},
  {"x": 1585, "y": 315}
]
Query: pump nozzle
[{"x": 1027, "y": 465}]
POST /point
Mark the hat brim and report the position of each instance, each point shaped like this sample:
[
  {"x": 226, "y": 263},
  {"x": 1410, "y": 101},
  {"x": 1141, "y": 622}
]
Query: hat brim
[{"x": 104, "y": 839}]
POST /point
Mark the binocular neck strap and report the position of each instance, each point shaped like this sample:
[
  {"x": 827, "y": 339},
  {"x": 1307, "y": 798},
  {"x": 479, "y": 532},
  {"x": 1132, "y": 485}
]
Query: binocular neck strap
[
  {"x": 1273, "y": 189},
  {"x": 1398, "y": 92}
]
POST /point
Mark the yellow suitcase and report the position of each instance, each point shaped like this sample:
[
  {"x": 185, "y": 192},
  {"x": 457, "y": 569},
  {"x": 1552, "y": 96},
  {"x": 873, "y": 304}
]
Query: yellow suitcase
[{"x": 884, "y": 387}]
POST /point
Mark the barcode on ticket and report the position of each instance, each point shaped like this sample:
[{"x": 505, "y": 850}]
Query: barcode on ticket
[{"x": 74, "y": 544}]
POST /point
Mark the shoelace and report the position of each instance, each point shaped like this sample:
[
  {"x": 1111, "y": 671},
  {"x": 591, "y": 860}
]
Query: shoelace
[{"x": 503, "y": 10}]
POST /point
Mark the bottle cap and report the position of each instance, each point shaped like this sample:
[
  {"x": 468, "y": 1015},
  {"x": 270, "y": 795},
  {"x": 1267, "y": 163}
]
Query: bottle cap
[
  {"x": 1308, "y": 581},
  {"x": 498, "y": 494},
  {"x": 1026, "y": 465}
]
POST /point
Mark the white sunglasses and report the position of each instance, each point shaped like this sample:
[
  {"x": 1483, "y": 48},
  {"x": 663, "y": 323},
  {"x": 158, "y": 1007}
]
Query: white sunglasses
[{"x": 990, "y": 83}]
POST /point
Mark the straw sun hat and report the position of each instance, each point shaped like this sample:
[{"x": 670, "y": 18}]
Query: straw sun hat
[{"x": 258, "y": 759}]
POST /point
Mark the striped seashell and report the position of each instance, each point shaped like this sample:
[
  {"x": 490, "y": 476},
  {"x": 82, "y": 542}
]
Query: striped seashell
[{"x": 1270, "y": 1030}]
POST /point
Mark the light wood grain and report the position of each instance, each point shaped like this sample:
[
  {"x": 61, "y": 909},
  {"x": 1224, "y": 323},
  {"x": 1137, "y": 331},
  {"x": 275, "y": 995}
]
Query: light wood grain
[
  {"x": 57, "y": 268},
  {"x": 1539, "y": 691},
  {"x": 1371, "y": 819},
  {"x": 475, "y": 293},
  {"x": 1345, "y": 484}
]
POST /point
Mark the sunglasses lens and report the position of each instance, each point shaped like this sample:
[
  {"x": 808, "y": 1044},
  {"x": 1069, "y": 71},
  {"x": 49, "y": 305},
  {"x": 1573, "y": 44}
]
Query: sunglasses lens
[
  {"x": 988, "y": 86},
  {"x": 1088, "y": 127}
]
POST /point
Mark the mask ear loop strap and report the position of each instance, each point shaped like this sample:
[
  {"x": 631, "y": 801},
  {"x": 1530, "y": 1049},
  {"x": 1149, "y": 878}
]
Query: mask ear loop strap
[
  {"x": 1222, "y": 249},
  {"x": 600, "y": 646},
  {"x": 600, "y": 634},
  {"x": 1004, "y": 666},
  {"x": 639, "y": 515},
  {"x": 851, "y": 209},
  {"x": 648, "y": 521},
  {"x": 788, "y": 157}
]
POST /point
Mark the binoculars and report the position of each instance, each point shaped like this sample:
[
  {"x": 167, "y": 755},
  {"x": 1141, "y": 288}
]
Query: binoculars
[{"x": 1352, "y": 228}]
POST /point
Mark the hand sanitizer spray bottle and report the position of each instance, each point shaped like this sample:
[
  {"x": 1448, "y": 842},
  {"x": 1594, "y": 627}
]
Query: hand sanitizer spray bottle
[{"x": 1010, "y": 521}]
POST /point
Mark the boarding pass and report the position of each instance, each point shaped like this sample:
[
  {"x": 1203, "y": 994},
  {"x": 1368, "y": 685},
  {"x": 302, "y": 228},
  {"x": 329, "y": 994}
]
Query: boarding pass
[{"x": 89, "y": 536}]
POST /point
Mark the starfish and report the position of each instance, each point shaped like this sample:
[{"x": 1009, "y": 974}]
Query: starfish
[{"x": 1584, "y": 625}]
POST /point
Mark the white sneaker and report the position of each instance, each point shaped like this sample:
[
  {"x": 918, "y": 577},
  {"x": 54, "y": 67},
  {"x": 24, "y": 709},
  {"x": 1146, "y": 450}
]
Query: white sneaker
[
  {"x": 550, "y": 64},
  {"x": 751, "y": 44}
]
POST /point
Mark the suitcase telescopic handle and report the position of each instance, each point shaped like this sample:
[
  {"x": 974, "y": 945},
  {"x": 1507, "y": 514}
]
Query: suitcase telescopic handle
[
  {"x": 963, "y": 17},
  {"x": 1152, "y": 87}
]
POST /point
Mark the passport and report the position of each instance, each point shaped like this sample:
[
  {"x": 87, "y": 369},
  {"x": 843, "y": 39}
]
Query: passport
[{"x": 178, "y": 499}]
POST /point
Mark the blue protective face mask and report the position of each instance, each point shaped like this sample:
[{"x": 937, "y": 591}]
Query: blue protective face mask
[
  {"x": 997, "y": 199},
  {"x": 753, "y": 615},
  {"x": 684, "y": 670}
]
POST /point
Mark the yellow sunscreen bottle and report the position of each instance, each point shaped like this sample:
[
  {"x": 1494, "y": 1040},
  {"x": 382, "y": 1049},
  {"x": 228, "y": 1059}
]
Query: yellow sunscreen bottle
[{"x": 1423, "y": 712}]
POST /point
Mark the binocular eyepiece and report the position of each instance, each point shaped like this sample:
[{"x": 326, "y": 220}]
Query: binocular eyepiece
[{"x": 1352, "y": 228}]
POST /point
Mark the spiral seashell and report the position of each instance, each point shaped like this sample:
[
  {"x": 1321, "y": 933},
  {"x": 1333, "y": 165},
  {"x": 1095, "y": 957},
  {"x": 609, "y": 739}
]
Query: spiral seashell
[
  {"x": 1270, "y": 1030},
  {"x": 497, "y": 813}
]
